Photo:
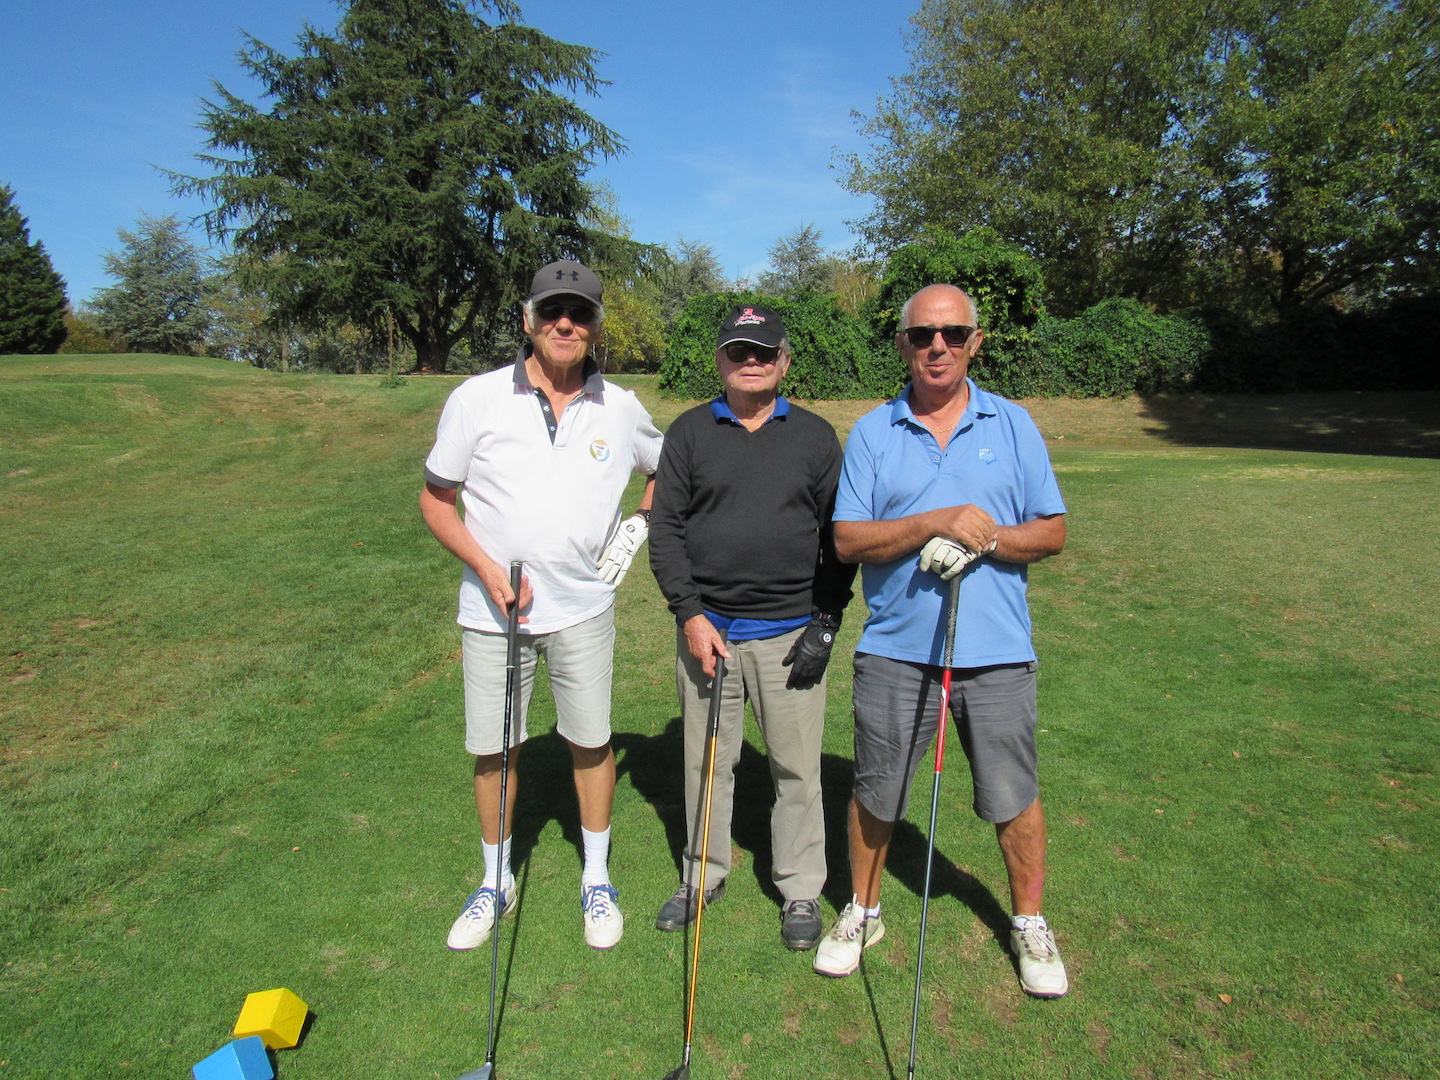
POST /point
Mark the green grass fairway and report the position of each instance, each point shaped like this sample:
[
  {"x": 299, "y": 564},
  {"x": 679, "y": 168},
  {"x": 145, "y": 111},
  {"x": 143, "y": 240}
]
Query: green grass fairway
[{"x": 231, "y": 760}]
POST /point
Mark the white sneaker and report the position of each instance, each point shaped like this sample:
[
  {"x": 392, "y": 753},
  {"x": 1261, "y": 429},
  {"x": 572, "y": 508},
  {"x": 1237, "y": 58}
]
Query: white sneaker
[
  {"x": 1042, "y": 972},
  {"x": 603, "y": 922},
  {"x": 839, "y": 954},
  {"x": 477, "y": 918}
]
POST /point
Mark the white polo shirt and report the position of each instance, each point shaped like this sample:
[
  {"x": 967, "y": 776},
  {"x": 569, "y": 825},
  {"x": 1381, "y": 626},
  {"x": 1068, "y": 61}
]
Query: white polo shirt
[{"x": 554, "y": 505}]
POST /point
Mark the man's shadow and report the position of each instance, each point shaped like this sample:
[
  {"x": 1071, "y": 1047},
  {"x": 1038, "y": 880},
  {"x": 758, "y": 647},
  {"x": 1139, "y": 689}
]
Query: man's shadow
[{"x": 653, "y": 765}]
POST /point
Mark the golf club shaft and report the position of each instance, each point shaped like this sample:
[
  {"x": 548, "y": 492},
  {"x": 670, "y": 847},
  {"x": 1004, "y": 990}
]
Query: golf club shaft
[
  {"x": 512, "y": 686},
  {"x": 712, "y": 737},
  {"x": 949, "y": 658}
]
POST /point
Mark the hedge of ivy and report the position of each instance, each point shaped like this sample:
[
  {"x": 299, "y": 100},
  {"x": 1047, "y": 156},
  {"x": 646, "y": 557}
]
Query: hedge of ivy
[
  {"x": 1115, "y": 348},
  {"x": 831, "y": 348}
]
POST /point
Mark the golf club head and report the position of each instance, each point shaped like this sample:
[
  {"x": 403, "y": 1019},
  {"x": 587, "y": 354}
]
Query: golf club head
[
  {"x": 682, "y": 1073},
  {"x": 484, "y": 1072}
]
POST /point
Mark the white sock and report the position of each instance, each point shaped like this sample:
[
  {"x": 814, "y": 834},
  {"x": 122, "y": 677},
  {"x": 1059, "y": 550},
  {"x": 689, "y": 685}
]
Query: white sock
[
  {"x": 497, "y": 862},
  {"x": 597, "y": 857},
  {"x": 872, "y": 912},
  {"x": 1020, "y": 922}
]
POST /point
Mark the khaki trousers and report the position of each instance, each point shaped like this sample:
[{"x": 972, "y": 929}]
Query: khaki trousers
[{"x": 792, "y": 723}]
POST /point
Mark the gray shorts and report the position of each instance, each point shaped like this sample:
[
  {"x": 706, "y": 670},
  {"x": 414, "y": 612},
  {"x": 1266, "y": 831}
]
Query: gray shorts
[
  {"x": 580, "y": 660},
  {"x": 897, "y": 711}
]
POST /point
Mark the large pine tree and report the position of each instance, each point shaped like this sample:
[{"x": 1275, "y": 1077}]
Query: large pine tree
[
  {"x": 32, "y": 294},
  {"x": 419, "y": 161},
  {"x": 158, "y": 301}
]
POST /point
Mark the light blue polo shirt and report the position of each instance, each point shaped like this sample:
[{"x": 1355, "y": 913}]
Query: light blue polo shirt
[{"x": 894, "y": 467}]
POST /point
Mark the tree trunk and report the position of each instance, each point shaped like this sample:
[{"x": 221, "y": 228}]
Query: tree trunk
[{"x": 432, "y": 350}]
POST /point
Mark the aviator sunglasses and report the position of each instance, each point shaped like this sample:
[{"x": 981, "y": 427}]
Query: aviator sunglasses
[
  {"x": 580, "y": 314},
  {"x": 740, "y": 351},
  {"x": 920, "y": 336}
]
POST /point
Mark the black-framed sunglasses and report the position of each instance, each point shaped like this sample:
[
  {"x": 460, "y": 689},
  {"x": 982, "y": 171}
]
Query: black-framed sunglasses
[
  {"x": 740, "y": 351},
  {"x": 954, "y": 335},
  {"x": 579, "y": 314}
]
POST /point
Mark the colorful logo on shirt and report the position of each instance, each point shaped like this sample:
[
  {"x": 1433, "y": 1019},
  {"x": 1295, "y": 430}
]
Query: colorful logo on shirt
[
  {"x": 600, "y": 450},
  {"x": 987, "y": 456}
]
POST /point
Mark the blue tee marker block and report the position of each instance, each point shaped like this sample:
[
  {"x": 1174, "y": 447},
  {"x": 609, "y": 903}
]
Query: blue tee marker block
[{"x": 243, "y": 1059}]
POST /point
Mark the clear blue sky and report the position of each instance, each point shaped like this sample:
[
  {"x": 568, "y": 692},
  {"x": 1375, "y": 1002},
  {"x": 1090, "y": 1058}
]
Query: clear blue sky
[{"x": 733, "y": 110}]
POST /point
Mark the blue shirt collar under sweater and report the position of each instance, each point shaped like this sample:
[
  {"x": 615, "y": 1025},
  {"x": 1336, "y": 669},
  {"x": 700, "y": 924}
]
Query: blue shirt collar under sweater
[{"x": 722, "y": 410}]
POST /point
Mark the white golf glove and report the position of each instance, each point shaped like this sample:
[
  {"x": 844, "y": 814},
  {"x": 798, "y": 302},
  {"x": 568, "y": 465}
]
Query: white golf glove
[
  {"x": 945, "y": 557},
  {"x": 620, "y": 552}
]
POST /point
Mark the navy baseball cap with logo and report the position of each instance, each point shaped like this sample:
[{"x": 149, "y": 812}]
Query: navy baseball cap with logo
[
  {"x": 566, "y": 278},
  {"x": 747, "y": 322}
]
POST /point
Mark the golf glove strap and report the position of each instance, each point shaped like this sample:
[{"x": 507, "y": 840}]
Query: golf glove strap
[
  {"x": 620, "y": 552},
  {"x": 811, "y": 652},
  {"x": 945, "y": 557}
]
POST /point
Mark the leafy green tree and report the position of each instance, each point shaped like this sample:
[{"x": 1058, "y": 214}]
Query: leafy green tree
[
  {"x": 421, "y": 160},
  {"x": 634, "y": 338},
  {"x": 1005, "y": 283},
  {"x": 1279, "y": 151},
  {"x": 242, "y": 324},
  {"x": 1060, "y": 124},
  {"x": 1323, "y": 135},
  {"x": 83, "y": 335},
  {"x": 158, "y": 301},
  {"x": 32, "y": 294},
  {"x": 854, "y": 283}
]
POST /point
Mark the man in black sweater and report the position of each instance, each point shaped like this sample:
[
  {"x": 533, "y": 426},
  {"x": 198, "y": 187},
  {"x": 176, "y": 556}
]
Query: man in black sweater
[{"x": 740, "y": 545}]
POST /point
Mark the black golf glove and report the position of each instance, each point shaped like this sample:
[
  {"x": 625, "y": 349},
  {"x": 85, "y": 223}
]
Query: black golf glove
[{"x": 811, "y": 652}]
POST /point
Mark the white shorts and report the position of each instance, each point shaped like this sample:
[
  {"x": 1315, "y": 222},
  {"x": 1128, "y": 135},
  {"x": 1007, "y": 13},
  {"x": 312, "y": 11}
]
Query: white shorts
[{"x": 580, "y": 660}]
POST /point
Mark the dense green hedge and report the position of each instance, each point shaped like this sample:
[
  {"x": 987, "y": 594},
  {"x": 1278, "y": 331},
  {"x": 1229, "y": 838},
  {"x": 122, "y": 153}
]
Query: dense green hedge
[
  {"x": 1119, "y": 347},
  {"x": 1115, "y": 348},
  {"x": 1005, "y": 283},
  {"x": 831, "y": 348}
]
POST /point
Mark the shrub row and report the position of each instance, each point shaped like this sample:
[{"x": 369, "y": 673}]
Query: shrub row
[
  {"x": 1115, "y": 348},
  {"x": 832, "y": 349}
]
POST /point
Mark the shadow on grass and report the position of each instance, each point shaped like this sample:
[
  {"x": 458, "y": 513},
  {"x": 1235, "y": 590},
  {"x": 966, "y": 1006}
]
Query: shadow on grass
[
  {"x": 1388, "y": 424},
  {"x": 653, "y": 767}
]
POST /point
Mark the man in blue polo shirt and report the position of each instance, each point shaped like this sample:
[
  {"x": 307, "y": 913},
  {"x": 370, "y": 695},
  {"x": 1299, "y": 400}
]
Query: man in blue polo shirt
[{"x": 945, "y": 479}]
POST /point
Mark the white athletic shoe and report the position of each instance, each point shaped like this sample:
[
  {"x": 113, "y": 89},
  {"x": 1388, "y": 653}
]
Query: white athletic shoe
[
  {"x": 477, "y": 918},
  {"x": 839, "y": 954},
  {"x": 1042, "y": 972},
  {"x": 603, "y": 922}
]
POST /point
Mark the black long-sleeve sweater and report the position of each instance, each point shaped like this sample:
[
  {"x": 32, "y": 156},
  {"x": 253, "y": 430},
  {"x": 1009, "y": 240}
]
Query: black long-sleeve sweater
[{"x": 741, "y": 520}]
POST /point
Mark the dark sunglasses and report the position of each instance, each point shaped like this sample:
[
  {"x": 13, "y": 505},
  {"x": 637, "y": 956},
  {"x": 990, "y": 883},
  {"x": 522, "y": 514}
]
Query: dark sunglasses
[
  {"x": 579, "y": 314},
  {"x": 920, "y": 336},
  {"x": 740, "y": 351}
]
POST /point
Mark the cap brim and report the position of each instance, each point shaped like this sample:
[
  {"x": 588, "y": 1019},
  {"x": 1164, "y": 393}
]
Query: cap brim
[
  {"x": 748, "y": 336},
  {"x": 565, "y": 292}
]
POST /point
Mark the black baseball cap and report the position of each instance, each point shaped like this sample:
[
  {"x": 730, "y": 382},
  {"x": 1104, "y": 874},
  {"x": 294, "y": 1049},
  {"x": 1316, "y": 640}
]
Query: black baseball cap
[
  {"x": 747, "y": 322},
  {"x": 566, "y": 278}
]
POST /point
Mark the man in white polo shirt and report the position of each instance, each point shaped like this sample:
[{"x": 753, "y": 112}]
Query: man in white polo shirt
[{"x": 538, "y": 456}]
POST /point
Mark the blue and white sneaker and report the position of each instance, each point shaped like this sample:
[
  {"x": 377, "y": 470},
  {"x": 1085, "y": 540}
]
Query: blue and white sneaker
[
  {"x": 603, "y": 922},
  {"x": 477, "y": 918}
]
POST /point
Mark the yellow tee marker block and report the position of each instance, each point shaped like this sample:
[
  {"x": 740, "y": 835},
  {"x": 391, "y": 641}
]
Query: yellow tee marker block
[{"x": 275, "y": 1015}]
